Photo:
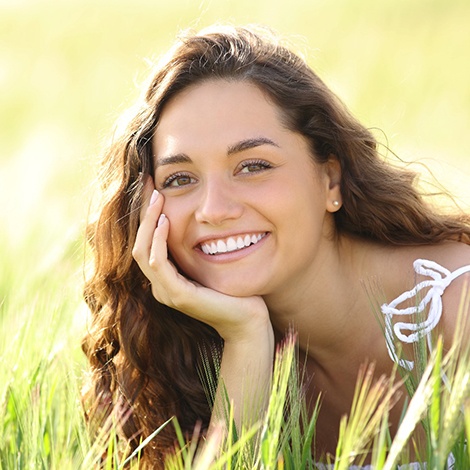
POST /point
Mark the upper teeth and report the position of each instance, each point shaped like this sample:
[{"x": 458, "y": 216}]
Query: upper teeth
[{"x": 230, "y": 244}]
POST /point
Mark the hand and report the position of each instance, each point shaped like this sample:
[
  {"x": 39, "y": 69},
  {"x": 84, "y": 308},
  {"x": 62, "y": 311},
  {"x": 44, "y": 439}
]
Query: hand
[{"x": 236, "y": 319}]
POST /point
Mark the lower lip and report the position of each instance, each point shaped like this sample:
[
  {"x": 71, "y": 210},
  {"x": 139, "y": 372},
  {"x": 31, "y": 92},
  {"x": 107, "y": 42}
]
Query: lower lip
[{"x": 233, "y": 255}]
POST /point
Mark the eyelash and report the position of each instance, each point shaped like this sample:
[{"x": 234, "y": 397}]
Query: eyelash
[
  {"x": 261, "y": 163},
  {"x": 174, "y": 177}
]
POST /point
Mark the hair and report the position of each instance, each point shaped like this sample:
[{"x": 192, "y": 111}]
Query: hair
[{"x": 147, "y": 357}]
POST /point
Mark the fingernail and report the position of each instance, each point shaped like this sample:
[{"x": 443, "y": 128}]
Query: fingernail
[
  {"x": 154, "y": 196},
  {"x": 161, "y": 219}
]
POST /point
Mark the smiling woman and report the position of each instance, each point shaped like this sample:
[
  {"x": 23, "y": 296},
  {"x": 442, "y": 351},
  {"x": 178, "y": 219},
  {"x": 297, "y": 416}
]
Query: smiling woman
[
  {"x": 241, "y": 201},
  {"x": 244, "y": 177}
]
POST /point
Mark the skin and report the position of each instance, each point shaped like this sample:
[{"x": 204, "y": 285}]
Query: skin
[
  {"x": 246, "y": 190},
  {"x": 227, "y": 167}
]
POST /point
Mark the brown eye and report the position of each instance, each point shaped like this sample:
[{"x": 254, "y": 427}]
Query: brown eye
[
  {"x": 177, "y": 180},
  {"x": 182, "y": 180},
  {"x": 254, "y": 166}
]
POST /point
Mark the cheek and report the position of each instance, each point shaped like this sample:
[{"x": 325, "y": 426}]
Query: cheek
[
  {"x": 182, "y": 234},
  {"x": 178, "y": 225},
  {"x": 177, "y": 252}
]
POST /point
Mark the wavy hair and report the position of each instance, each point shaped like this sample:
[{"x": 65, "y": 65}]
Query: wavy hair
[{"x": 146, "y": 356}]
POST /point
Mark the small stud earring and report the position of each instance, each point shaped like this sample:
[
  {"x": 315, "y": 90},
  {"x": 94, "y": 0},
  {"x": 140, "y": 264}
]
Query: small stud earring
[{"x": 336, "y": 203}]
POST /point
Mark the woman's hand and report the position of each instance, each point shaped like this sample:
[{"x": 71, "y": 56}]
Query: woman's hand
[
  {"x": 237, "y": 319},
  {"x": 243, "y": 322}
]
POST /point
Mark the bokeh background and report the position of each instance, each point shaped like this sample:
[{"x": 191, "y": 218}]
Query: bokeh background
[{"x": 68, "y": 68}]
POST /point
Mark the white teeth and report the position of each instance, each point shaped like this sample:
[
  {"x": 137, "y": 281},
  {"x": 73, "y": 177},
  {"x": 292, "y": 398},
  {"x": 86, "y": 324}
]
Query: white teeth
[
  {"x": 240, "y": 243},
  {"x": 221, "y": 246},
  {"x": 231, "y": 244}
]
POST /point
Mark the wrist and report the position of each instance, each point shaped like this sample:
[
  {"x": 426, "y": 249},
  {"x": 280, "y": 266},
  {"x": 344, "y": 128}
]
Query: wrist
[{"x": 256, "y": 338}]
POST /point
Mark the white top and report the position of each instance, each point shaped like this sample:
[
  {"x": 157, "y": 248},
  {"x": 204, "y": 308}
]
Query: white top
[{"x": 440, "y": 280}]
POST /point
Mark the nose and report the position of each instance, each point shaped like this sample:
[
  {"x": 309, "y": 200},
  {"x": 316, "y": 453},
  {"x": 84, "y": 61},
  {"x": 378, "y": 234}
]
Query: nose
[{"x": 219, "y": 203}]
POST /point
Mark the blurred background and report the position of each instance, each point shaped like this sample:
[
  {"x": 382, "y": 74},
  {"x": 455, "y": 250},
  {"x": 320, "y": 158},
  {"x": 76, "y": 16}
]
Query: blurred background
[{"x": 68, "y": 68}]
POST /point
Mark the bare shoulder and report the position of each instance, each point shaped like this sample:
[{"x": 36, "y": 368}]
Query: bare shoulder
[{"x": 449, "y": 255}]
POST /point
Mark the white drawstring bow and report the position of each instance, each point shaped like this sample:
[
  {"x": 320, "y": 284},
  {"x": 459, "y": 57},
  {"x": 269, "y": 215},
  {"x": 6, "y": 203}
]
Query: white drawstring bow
[{"x": 441, "y": 278}]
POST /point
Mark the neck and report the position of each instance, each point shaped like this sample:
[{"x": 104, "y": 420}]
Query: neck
[{"x": 329, "y": 306}]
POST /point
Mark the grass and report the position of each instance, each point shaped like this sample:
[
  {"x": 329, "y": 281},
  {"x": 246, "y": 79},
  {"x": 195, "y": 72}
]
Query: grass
[
  {"x": 68, "y": 68},
  {"x": 42, "y": 425}
]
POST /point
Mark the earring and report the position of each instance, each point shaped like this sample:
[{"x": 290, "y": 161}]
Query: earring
[{"x": 336, "y": 203}]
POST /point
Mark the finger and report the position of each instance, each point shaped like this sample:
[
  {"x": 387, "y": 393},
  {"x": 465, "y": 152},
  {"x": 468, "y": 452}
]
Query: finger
[
  {"x": 159, "y": 249},
  {"x": 148, "y": 224},
  {"x": 148, "y": 188},
  {"x": 168, "y": 285}
]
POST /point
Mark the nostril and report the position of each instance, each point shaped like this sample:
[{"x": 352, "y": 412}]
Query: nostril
[{"x": 216, "y": 209}]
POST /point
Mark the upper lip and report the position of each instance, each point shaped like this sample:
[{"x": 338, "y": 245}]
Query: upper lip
[{"x": 225, "y": 236}]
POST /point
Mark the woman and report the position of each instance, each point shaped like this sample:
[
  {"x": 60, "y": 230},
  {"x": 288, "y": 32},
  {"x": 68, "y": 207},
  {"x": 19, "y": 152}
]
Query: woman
[{"x": 243, "y": 200}]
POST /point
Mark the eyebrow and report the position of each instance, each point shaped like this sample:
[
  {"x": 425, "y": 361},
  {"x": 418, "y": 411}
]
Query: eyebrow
[
  {"x": 172, "y": 159},
  {"x": 241, "y": 146},
  {"x": 249, "y": 144}
]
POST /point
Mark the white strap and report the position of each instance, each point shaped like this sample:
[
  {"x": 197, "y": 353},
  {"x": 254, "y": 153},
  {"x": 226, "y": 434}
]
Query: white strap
[{"x": 441, "y": 278}]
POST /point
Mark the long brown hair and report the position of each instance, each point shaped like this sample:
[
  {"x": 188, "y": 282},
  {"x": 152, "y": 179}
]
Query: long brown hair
[{"x": 143, "y": 354}]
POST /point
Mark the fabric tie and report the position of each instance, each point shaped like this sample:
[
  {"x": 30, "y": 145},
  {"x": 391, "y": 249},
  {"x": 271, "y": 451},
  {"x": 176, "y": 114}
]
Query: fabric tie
[{"x": 409, "y": 332}]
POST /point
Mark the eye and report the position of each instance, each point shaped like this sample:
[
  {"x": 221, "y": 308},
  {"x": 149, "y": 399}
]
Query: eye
[
  {"x": 254, "y": 166},
  {"x": 177, "y": 180}
]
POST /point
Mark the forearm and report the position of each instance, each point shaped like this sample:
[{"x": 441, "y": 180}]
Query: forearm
[{"x": 245, "y": 378}]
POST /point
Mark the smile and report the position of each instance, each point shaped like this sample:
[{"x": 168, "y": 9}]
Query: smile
[{"x": 230, "y": 244}]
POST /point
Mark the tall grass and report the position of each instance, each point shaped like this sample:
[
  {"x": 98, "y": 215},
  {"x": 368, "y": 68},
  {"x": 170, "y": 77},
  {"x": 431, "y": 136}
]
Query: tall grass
[{"x": 42, "y": 425}]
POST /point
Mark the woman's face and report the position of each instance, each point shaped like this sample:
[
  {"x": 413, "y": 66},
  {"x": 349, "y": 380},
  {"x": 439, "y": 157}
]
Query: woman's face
[{"x": 248, "y": 208}]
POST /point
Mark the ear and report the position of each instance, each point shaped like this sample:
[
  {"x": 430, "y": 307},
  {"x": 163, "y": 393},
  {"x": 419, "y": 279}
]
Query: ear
[{"x": 333, "y": 172}]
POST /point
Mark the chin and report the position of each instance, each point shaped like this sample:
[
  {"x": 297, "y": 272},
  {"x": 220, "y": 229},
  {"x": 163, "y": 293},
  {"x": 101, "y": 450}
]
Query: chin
[
  {"x": 234, "y": 289},
  {"x": 235, "y": 284}
]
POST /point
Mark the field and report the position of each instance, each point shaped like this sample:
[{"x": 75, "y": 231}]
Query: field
[{"x": 68, "y": 69}]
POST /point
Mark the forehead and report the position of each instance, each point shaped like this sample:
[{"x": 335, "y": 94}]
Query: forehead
[{"x": 220, "y": 110}]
